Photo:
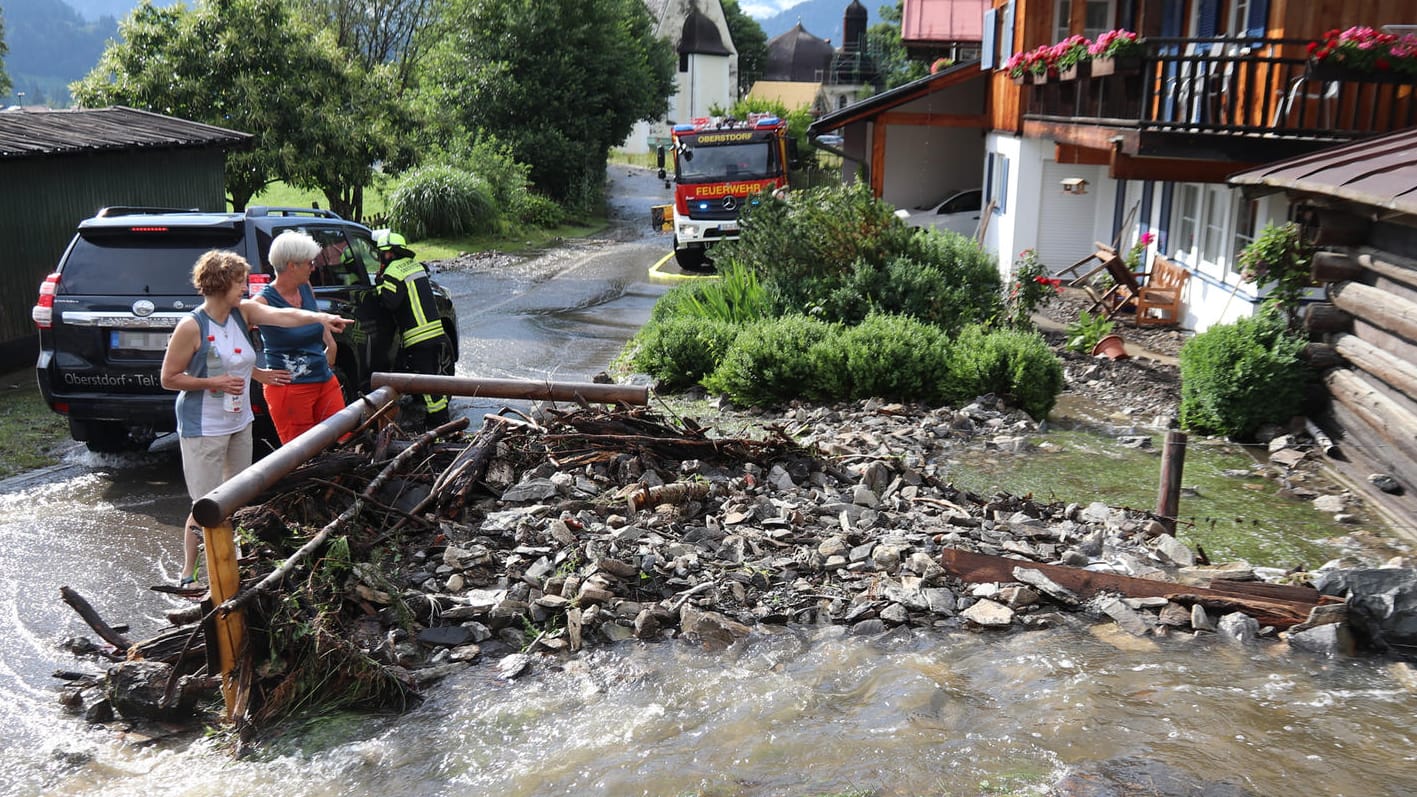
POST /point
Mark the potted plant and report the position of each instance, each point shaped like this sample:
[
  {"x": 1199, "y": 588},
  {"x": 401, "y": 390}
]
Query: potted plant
[
  {"x": 1116, "y": 51},
  {"x": 1071, "y": 57},
  {"x": 1362, "y": 53},
  {"x": 1088, "y": 333}
]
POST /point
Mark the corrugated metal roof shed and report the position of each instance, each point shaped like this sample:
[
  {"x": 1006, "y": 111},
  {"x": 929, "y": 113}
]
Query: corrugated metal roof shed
[
  {"x": 1379, "y": 171},
  {"x": 29, "y": 133}
]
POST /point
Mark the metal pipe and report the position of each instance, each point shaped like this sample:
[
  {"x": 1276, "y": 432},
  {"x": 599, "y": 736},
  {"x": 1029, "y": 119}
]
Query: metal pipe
[
  {"x": 216, "y": 506},
  {"x": 512, "y": 388}
]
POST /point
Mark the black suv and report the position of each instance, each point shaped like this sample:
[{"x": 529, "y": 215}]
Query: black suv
[{"x": 105, "y": 314}]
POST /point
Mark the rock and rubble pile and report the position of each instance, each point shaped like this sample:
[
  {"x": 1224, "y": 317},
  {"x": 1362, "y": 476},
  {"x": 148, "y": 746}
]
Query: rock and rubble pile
[{"x": 588, "y": 527}]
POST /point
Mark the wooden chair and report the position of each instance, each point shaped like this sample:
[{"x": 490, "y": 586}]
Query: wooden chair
[
  {"x": 1159, "y": 300},
  {"x": 1125, "y": 286}
]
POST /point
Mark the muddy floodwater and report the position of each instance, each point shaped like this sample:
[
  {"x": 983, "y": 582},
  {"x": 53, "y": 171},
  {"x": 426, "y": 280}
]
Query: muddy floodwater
[{"x": 1078, "y": 709}]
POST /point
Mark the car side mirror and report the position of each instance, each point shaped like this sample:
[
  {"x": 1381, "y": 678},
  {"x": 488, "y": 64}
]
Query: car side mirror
[{"x": 659, "y": 159}]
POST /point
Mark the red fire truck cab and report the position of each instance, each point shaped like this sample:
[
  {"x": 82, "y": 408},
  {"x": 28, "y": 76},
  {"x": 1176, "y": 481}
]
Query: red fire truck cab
[{"x": 720, "y": 166}]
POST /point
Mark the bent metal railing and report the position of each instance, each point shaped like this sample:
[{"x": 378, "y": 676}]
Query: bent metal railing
[
  {"x": 1233, "y": 87},
  {"x": 213, "y": 510}
]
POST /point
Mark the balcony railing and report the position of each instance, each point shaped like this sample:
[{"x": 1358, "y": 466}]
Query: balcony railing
[{"x": 1234, "y": 87}]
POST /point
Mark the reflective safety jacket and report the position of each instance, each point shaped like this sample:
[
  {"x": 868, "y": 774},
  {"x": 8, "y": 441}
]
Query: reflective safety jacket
[{"x": 405, "y": 292}]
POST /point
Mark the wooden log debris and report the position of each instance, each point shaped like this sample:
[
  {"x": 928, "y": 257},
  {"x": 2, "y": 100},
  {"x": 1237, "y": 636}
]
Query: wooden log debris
[{"x": 1276, "y": 605}]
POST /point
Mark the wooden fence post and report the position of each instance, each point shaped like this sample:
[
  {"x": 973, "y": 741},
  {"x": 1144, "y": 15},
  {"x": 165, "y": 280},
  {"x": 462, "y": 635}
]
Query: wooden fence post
[{"x": 1168, "y": 496}]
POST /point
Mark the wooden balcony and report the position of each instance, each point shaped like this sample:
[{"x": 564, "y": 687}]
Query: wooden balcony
[{"x": 1221, "y": 100}]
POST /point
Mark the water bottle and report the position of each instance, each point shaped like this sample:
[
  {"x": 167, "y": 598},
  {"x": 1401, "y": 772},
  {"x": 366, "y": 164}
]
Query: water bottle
[
  {"x": 234, "y": 402},
  {"x": 215, "y": 367}
]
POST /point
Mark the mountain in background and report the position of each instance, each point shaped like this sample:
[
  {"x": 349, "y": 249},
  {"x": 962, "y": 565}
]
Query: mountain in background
[
  {"x": 51, "y": 45},
  {"x": 821, "y": 18}
]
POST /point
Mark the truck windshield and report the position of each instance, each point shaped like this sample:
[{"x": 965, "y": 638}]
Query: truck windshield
[{"x": 752, "y": 161}]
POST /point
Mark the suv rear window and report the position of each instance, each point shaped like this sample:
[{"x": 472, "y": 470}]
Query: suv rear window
[{"x": 138, "y": 263}]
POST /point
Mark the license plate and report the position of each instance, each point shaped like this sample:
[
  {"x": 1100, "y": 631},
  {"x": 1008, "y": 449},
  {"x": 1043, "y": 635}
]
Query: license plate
[{"x": 138, "y": 340}]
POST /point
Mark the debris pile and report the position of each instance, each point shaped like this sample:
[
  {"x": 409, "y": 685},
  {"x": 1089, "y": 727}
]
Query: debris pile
[{"x": 583, "y": 526}]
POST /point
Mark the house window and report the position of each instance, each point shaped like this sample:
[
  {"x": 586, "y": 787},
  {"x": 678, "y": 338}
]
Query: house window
[
  {"x": 1188, "y": 208},
  {"x": 1213, "y": 240},
  {"x": 996, "y": 181},
  {"x": 1097, "y": 18},
  {"x": 1207, "y": 228},
  {"x": 1247, "y": 212}
]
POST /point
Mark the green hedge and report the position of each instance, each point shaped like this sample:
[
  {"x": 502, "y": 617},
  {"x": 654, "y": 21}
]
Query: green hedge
[{"x": 1237, "y": 377}]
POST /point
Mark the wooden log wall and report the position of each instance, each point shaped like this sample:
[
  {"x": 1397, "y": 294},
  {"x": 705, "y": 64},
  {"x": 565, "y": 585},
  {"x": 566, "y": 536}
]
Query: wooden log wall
[{"x": 1370, "y": 324}]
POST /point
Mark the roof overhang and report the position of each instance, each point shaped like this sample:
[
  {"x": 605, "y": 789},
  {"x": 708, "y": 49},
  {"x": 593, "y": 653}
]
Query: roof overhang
[{"x": 871, "y": 108}]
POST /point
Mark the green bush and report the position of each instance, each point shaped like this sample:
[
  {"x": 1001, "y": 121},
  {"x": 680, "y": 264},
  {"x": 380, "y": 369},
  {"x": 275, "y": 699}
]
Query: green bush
[
  {"x": 535, "y": 210},
  {"x": 839, "y": 254},
  {"x": 438, "y": 200},
  {"x": 1237, "y": 377},
  {"x": 893, "y": 357},
  {"x": 774, "y": 361},
  {"x": 1014, "y": 364},
  {"x": 679, "y": 351}
]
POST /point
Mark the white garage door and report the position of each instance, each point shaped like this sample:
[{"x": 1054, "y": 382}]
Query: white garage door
[{"x": 1067, "y": 222}]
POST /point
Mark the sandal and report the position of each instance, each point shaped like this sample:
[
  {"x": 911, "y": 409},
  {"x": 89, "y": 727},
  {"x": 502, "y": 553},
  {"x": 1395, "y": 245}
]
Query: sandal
[{"x": 187, "y": 581}]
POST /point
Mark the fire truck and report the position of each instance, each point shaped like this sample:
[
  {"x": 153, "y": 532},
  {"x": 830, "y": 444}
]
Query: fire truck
[{"x": 720, "y": 165}]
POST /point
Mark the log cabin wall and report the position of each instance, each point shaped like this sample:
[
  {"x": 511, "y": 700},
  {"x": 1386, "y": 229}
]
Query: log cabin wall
[{"x": 1370, "y": 322}]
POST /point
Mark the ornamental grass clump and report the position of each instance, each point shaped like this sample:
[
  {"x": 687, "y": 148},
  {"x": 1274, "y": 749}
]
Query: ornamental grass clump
[{"x": 442, "y": 201}]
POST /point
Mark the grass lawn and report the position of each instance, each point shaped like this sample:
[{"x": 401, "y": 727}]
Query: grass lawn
[
  {"x": 512, "y": 240},
  {"x": 32, "y": 433}
]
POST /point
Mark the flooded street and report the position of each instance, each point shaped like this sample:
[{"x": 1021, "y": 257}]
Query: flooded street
[{"x": 1078, "y": 709}]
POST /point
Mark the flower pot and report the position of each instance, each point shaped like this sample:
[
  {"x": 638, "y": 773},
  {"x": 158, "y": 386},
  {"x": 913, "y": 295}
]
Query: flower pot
[
  {"x": 1037, "y": 78},
  {"x": 1329, "y": 71},
  {"x": 1079, "y": 70},
  {"x": 1115, "y": 66},
  {"x": 1112, "y": 347}
]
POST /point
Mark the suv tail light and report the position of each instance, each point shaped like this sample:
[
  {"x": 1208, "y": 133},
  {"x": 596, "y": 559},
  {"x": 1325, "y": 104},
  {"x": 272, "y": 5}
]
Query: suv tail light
[{"x": 43, "y": 312}]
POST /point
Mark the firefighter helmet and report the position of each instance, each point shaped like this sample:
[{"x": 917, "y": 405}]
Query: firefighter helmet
[{"x": 386, "y": 239}]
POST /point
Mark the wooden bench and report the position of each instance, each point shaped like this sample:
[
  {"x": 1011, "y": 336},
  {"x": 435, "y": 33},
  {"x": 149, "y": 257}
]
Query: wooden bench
[{"x": 1159, "y": 300}]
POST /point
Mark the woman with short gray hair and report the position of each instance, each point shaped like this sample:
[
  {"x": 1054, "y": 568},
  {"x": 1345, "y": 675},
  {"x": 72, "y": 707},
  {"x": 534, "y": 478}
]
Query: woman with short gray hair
[{"x": 308, "y": 392}]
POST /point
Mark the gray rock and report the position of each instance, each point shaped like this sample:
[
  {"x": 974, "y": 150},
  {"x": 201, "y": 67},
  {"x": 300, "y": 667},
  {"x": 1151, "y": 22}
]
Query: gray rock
[
  {"x": 1174, "y": 551},
  {"x": 989, "y": 614},
  {"x": 1239, "y": 627},
  {"x": 1330, "y": 639},
  {"x": 445, "y": 636},
  {"x": 1047, "y": 586},
  {"x": 1126, "y": 618},
  {"x": 1330, "y": 504},
  {"x": 1200, "y": 619},
  {"x": 1384, "y": 482}
]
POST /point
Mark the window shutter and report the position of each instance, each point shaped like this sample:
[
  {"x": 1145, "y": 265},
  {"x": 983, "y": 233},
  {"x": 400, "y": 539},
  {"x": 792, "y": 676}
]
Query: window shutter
[
  {"x": 1258, "y": 23},
  {"x": 1209, "y": 18},
  {"x": 1006, "y": 33},
  {"x": 1003, "y": 184},
  {"x": 986, "y": 49}
]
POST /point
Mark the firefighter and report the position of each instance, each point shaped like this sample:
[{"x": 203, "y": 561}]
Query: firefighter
[{"x": 404, "y": 291}]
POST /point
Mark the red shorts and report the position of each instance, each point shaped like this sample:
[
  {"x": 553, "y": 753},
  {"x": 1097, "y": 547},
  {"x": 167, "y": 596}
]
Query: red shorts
[{"x": 296, "y": 408}]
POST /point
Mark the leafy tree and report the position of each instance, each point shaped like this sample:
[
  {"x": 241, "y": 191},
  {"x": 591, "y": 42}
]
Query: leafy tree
[
  {"x": 4, "y": 78},
  {"x": 751, "y": 43},
  {"x": 883, "y": 42},
  {"x": 559, "y": 81},
  {"x": 250, "y": 65},
  {"x": 379, "y": 32}
]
